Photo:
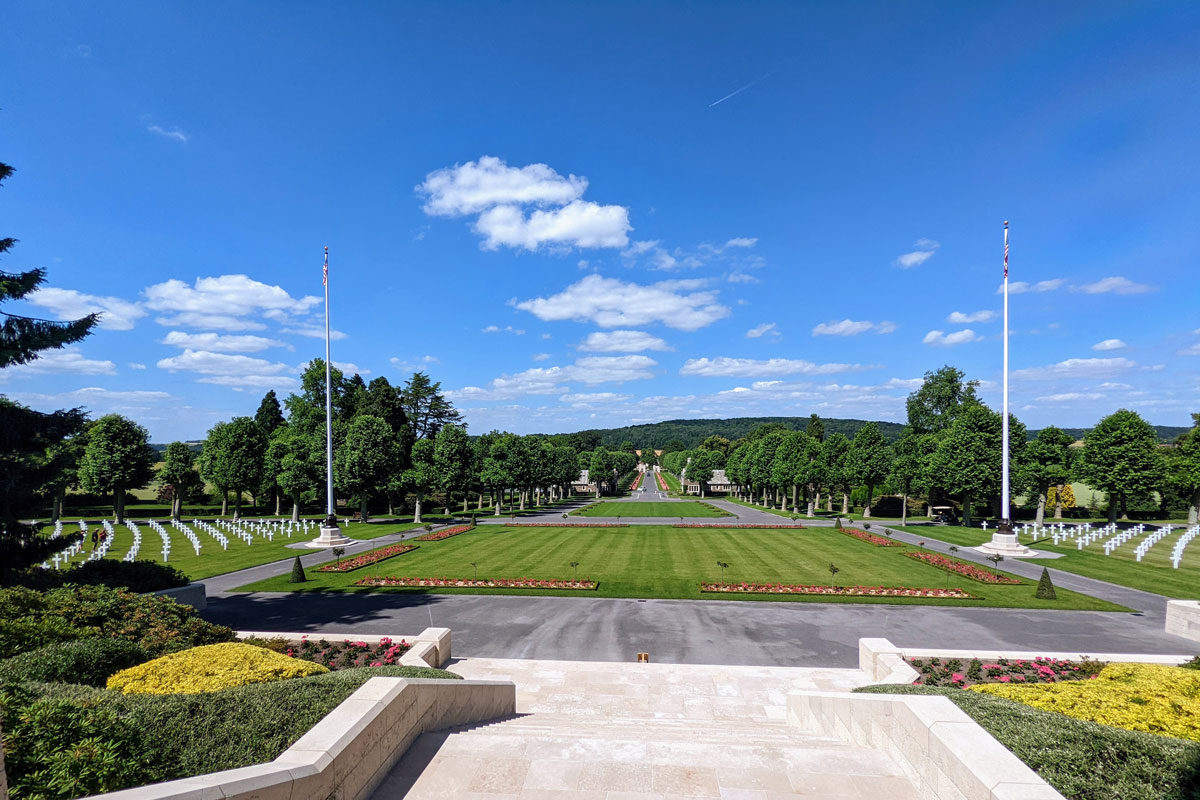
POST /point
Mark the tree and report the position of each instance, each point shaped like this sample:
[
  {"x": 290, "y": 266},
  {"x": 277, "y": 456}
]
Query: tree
[
  {"x": 297, "y": 461},
  {"x": 426, "y": 408},
  {"x": 716, "y": 444},
  {"x": 910, "y": 460},
  {"x": 454, "y": 457},
  {"x": 118, "y": 458},
  {"x": 673, "y": 446},
  {"x": 61, "y": 461},
  {"x": 1185, "y": 468},
  {"x": 269, "y": 415},
  {"x": 179, "y": 473},
  {"x": 815, "y": 428},
  {"x": 701, "y": 467},
  {"x": 600, "y": 469},
  {"x": 366, "y": 460},
  {"x": 234, "y": 458},
  {"x": 1048, "y": 460},
  {"x": 422, "y": 475},
  {"x": 835, "y": 455},
  {"x": 496, "y": 473},
  {"x": 967, "y": 460},
  {"x": 1121, "y": 458},
  {"x": 870, "y": 460},
  {"x": 933, "y": 407},
  {"x": 28, "y": 438}
]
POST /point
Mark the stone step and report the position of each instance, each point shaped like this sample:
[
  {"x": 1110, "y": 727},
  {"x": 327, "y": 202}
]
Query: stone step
[{"x": 638, "y": 729}]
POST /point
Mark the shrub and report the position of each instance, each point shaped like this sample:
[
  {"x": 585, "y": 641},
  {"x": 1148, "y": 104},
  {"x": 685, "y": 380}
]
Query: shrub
[
  {"x": 298, "y": 575},
  {"x": 210, "y": 669},
  {"x": 1193, "y": 664},
  {"x": 1045, "y": 588},
  {"x": 137, "y": 576},
  {"x": 88, "y": 661},
  {"x": 1080, "y": 759},
  {"x": 1138, "y": 697},
  {"x": 29, "y": 619}
]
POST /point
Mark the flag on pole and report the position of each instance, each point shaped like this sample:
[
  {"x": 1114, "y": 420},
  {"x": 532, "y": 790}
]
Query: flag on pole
[
  {"x": 1006, "y": 249},
  {"x": 325, "y": 269}
]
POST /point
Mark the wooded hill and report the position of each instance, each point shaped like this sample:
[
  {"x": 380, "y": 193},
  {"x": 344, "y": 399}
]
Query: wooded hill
[{"x": 691, "y": 432}]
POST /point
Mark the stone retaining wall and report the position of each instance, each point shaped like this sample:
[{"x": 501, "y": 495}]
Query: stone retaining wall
[
  {"x": 430, "y": 648},
  {"x": 1183, "y": 618},
  {"x": 348, "y": 753}
]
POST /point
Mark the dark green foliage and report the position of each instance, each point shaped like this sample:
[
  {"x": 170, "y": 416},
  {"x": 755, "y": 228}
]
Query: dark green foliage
[
  {"x": 1082, "y": 760},
  {"x": 1193, "y": 664},
  {"x": 163, "y": 737},
  {"x": 29, "y": 619},
  {"x": 87, "y": 661},
  {"x": 298, "y": 575},
  {"x": 687, "y": 434},
  {"x": 136, "y": 576},
  {"x": 1045, "y": 588}
]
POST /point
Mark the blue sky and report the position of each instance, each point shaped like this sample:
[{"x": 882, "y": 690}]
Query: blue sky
[{"x": 593, "y": 215}]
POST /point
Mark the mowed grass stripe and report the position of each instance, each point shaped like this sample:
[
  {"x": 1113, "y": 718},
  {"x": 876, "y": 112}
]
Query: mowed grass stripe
[{"x": 665, "y": 562}]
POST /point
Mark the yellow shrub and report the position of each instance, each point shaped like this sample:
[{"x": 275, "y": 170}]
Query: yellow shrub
[
  {"x": 1138, "y": 697},
  {"x": 210, "y": 668}
]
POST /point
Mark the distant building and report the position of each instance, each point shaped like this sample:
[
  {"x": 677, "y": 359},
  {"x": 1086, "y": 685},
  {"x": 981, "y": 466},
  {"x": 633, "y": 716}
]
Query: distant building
[
  {"x": 719, "y": 483},
  {"x": 582, "y": 485}
]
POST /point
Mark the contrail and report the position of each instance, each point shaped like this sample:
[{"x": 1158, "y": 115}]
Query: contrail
[{"x": 739, "y": 91}]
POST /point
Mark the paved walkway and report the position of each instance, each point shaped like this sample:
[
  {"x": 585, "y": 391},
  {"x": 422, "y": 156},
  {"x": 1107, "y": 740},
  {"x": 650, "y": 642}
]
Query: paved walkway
[
  {"x": 700, "y": 631},
  {"x": 588, "y": 731}
]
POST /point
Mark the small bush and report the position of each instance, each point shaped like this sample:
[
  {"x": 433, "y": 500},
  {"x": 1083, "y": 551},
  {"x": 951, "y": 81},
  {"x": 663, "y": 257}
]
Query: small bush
[
  {"x": 210, "y": 669},
  {"x": 298, "y": 575},
  {"x": 136, "y": 576},
  {"x": 1193, "y": 664},
  {"x": 87, "y": 661},
  {"x": 1045, "y": 587}
]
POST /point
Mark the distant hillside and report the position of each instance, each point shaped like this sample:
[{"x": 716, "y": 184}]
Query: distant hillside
[
  {"x": 694, "y": 431},
  {"x": 195, "y": 447}
]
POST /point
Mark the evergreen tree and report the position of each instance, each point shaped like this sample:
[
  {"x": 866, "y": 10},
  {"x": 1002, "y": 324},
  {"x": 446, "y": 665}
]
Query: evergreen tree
[
  {"x": 118, "y": 458},
  {"x": 297, "y": 575},
  {"x": 426, "y": 407},
  {"x": 270, "y": 414},
  {"x": 1045, "y": 587},
  {"x": 1121, "y": 458},
  {"x": 815, "y": 428}
]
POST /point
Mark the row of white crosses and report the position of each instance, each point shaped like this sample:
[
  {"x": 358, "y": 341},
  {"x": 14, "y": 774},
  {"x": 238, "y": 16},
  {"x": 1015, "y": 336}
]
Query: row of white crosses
[
  {"x": 1082, "y": 540},
  {"x": 101, "y": 551},
  {"x": 64, "y": 556},
  {"x": 1122, "y": 537},
  {"x": 1182, "y": 542},
  {"x": 210, "y": 530},
  {"x": 1145, "y": 544},
  {"x": 137, "y": 541}
]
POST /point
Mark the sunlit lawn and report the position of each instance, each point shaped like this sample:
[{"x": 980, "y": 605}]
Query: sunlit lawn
[
  {"x": 682, "y": 508},
  {"x": 1153, "y": 574},
  {"x": 665, "y": 562}
]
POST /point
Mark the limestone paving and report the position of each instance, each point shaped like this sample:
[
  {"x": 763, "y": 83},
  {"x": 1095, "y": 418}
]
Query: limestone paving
[{"x": 626, "y": 730}]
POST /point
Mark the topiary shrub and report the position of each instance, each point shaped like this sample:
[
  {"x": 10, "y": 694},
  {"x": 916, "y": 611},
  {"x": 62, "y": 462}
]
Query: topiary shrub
[
  {"x": 210, "y": 669},
  {"x": 29, "y": 619},
  {"x": 298, "y": 575},
  {"x": 1045, "y": 588},
  {"x": 87, "y": 661}
]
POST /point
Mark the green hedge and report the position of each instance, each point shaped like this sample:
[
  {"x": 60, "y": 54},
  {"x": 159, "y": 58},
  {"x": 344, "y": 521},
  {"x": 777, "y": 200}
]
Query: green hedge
[
  {"x": 65, "y": 741},
  {"x": 136, "y": 576},
  {"x": 87, "y": 661},
  {"x": 1082, "y": 760}
]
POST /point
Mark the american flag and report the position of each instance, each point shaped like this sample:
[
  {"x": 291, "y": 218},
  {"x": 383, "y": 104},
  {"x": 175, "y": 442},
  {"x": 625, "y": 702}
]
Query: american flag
[
  {"x": 1006, "y": 248},
  {"x": 325, "y": 269}
]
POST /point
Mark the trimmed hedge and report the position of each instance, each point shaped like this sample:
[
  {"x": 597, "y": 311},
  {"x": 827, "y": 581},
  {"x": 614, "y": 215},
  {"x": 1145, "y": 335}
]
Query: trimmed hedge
[
  {"x": 1082, "y": 760},
  {"x": 87, "y": 661},
  {"x": 140, "y": 739},
  {"x": 136, "y": 576}
]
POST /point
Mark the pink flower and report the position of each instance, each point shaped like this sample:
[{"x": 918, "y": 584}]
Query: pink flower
[{"x": 1003, "y": 679}]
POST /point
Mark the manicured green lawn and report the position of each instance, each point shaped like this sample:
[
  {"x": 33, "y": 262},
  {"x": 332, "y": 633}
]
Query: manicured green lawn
[
  {"x": 660, "y": 561},
  {"x": 651, "y": 509},
  {"x": 1153, "y": 574},
  {"x": 672, "y": 482},
  {"x": 212, "y": 560}
]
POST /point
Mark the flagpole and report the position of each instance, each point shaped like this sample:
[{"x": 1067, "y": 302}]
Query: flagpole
[
  {"x": 330, "y": 516},
  {"x": 1005, "y": 520}
]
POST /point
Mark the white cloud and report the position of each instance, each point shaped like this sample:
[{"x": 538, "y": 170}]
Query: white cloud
[
  {"x": 1116, "y": 285},
  {"x": 550, "y": 380},
  {"x": 1068, "y": 397},
  {"x": 846, "y": 327},
  {"x": 115, "y": 314},
  {"x": 221, "y": 343},
  {"x": 478, "y": 185},
  {"x": 67, "y": 361},
  {"x": 224, "y": 369},
  {"x": 227, "y": 302},
  {"x": 958, "y": 337},
  {"x": 741, "y": 277},
  {"x": 1111, "y": 385},
  {"x": 1194, "y": 350},
  {"x": 135, "y": 365},
  {"x": 1087, "y": 368},
  {"x": 313, "y": 332},
  {"x": 742, "y": 241},
  {"x": 505, "y": 329},
  {"x": 168, "y": 133},
  {"x": 541, "y": 356},
  {"x": 1022, "y": 287},
  {"x": 241, "y": 382},
  {"x": 580, "y": 223},
  {"x": 925, "y": 248},
  {"x": 725, "y": 367},
  {"x": 758, "y": 331},
  {"x": 611, "y": 303},
  {"x": 965, "y": 318},
  {"x": 1109, "y": 344},
  {"x": 908, "y": 384},
  {"x": 622, "y": 342},
  {"x": 588, "y": 399}
]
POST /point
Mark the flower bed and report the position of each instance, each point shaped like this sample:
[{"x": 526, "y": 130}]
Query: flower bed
[
  {"x": 662, "y": 484},
  {"x": 367, "y": 559},
  {"x": 1138, "y": 697},
  {"x": 445, "y": 533},
  {"x": 964, "y": 568},
  {"x": 840, "y": 591},
  {"x": 566, "y": 524},
  {"x": 348, "y": 654},
  {"x": 869, "y": 538},
  {"x": 952, "y": 671},
  {"x": 479, "y": 583},
  {"x": 636, "y": 482},
  {"x": 780, "y": 526}
]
